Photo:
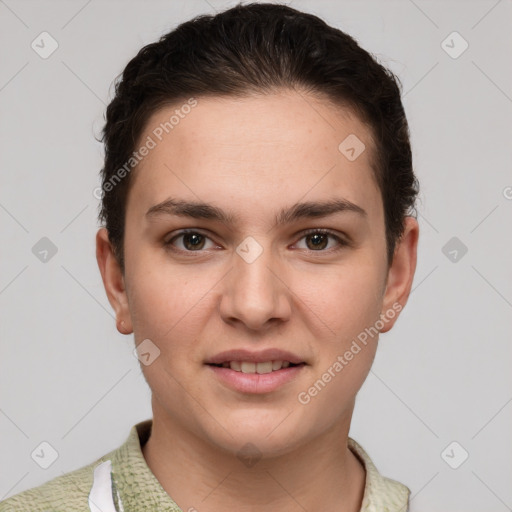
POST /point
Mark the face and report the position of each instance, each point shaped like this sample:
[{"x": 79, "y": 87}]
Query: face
[{"x": 252, "y": 278}]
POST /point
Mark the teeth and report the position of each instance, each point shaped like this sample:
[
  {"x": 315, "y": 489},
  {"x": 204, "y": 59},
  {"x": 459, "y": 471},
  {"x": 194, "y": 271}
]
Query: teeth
[
  {"x": 264, "y": 367},
  {"x": 276, "y": 365},
  {"x": 235, "y": 365},
  {"x": 249, "y": 367}
]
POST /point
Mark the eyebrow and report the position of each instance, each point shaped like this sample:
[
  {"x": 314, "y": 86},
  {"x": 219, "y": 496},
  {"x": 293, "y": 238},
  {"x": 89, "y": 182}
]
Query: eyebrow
[{"x": 305, "y": 210}]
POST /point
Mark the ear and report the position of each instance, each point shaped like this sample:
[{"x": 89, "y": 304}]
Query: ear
[
  {"x": 400, "y": 274},
  {"x": 113, "y": 281}
]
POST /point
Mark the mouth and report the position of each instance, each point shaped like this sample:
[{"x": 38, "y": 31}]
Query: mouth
[{"x": 256, "y": 372}]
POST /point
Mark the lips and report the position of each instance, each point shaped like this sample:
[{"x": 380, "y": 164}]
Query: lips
[{"x": 259, "y": 372}]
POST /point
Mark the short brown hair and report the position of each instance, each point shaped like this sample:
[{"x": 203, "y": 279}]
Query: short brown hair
[{"x": 258, "y": 47}]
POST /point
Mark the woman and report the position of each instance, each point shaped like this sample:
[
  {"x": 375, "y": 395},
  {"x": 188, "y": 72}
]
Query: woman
[{"x": 258, "y": 237}]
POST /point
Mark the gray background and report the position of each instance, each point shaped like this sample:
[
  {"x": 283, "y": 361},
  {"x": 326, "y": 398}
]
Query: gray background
[{"x": 441, "y": 375}]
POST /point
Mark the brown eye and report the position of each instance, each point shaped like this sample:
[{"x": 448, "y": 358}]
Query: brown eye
[
  {"x": 191, "y": 241},
  {"x": 317, "y": 240}
]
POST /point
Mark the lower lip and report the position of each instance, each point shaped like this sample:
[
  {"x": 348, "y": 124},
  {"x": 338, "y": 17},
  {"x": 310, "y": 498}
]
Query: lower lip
[{"x": 256, "y": 382}]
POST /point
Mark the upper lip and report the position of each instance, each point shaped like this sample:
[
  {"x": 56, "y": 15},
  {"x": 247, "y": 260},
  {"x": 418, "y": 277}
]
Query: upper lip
[{"x": 262, "y": 356}]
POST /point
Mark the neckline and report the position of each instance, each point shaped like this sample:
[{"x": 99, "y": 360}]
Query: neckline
[{"x": 130, "y": 466}]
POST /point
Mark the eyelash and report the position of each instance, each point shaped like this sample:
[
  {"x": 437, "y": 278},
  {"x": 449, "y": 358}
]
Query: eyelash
[{"x": 341, "y": 243}]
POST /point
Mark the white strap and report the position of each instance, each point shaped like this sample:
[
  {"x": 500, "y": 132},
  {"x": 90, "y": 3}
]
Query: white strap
[{"x": 100, "y": 497}]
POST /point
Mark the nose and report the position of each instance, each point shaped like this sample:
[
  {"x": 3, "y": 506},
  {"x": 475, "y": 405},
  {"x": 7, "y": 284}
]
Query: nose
[{"x": 255, "y": 292}]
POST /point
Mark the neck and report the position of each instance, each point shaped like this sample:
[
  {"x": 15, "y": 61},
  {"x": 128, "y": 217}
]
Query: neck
[{"x": 320, "y": 475}]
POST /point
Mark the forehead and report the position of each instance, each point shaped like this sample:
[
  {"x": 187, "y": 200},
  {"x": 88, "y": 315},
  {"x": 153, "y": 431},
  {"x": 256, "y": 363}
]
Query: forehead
[{"x": 254, "y": 151}]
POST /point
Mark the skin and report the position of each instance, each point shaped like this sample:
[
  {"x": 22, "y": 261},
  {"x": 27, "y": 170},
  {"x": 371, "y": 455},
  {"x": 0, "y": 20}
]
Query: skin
[{"x": 253, "y": 156}]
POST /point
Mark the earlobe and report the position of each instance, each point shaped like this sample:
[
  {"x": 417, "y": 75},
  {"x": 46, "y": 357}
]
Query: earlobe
[
  {"x": 401, "y": 274},
  {"x": 113, "y": 281}
]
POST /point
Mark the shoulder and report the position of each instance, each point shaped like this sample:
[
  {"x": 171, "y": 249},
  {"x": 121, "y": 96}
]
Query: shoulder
[{"x": 66, "y": 493}]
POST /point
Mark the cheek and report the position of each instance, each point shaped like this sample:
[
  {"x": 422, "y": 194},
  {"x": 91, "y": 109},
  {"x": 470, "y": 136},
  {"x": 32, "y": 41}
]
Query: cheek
[
  {"x": 330, "y": 394},
  {"x": 167, "y": 309},
  {"x": 345, "y": 300},
  {"x": 165, "y": 302},
  {"x": 346, "y": 311}
]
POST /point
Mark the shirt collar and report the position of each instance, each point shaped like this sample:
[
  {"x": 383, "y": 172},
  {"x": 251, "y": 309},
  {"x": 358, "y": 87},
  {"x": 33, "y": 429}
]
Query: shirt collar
[{"x": 380, "y": 493}]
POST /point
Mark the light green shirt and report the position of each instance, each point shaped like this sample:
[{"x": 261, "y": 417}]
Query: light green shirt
[{"x": 121, "y": 481}]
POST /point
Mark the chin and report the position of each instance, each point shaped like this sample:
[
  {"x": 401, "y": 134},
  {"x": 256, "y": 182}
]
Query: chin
[
  {"x": 251, "y": 445},
  {"x": 267, "y": 437}
]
